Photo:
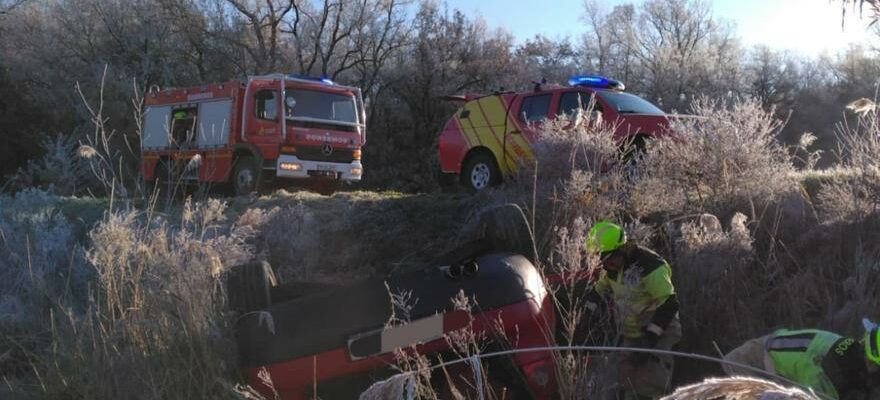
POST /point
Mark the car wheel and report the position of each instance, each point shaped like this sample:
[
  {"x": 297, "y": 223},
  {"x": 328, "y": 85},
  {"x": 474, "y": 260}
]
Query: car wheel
[
  {"x": 507, "y": 229},
  {"x": 246, "y": 176},
  {"x": 480, "y": 173},
  {"x": 249, "y": 286}
]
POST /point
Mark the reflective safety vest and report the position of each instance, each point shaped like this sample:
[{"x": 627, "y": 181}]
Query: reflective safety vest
[
  {"x": 643, "y": 285},
  {"x": 799, "y": 354}
]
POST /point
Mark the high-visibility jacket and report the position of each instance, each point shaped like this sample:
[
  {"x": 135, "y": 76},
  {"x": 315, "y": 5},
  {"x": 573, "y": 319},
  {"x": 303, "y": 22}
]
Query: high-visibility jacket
[
  {"x": 830, "y": 364},
  {"x": 644, "y": 285}
]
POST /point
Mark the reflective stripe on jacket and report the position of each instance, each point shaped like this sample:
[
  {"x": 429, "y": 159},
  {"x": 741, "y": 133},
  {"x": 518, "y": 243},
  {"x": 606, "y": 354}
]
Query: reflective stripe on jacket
[
  {"x": 798, "y": 355},
  {"x": 643, "y": 285}
]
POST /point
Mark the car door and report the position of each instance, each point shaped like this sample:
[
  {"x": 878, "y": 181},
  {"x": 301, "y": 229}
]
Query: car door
[{"x": 531, "y": 111}]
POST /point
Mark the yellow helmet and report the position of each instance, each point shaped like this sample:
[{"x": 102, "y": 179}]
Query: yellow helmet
[{"x": 605, "y": 237}]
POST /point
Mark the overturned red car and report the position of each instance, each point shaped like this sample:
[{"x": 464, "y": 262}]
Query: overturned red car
[{"x": 298, "y": 341}]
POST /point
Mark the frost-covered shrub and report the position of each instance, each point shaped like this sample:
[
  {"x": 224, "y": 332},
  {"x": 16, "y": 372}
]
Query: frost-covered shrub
[
  {"x": 154, "y": 324},
  {"x": 39, "y": 258},
  {"x": 718, "y": 284},
  {"x": 576, "y": 173},
  {"x": 721, "y": 159},
  {"x": 63, "y": 168},
  {"x": 856, "y": 194}
]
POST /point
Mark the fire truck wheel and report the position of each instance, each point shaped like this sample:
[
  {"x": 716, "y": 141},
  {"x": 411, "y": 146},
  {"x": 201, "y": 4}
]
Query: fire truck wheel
[
  {"x": 246, "y": 176},
  {"x": 159, "y": 185},
  {"x": 480, "y": 173},
  {"x": 249, "y": 286},
  {"x": 325, "y": 187}
]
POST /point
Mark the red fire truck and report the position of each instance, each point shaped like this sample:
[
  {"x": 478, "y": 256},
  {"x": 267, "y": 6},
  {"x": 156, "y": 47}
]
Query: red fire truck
[
  {"x": 246, "y": 134},
  {"x": 484, "y": 140}
]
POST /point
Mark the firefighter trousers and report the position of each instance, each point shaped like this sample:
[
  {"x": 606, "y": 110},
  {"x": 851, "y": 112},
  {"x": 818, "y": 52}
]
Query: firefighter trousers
[{"x": 649, "y": 377}]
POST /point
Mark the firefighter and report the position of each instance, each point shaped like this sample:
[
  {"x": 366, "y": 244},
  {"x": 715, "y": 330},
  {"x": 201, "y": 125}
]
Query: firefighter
[
  {"x": 639, "y": 283},
  {"x": 834, "y": 366}
]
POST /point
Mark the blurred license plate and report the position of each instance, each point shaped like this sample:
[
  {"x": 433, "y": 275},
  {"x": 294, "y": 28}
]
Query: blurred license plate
[{"x": 326, "y": 167}]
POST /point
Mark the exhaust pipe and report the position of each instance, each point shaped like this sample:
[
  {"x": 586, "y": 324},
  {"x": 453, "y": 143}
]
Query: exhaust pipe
[{"x": 469, "y": 269}]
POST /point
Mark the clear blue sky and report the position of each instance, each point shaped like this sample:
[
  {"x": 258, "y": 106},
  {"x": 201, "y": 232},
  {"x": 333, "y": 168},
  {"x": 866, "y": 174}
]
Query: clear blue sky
[{"x": 804, "y": 26}]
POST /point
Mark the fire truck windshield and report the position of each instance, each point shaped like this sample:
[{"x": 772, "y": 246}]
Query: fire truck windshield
[
  {"x": 316, "y": 106},
  {"x": 625, "y": 103}
]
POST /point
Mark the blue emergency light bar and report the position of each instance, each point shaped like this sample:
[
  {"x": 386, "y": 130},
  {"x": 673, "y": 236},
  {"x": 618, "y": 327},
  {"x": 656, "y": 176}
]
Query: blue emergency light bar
[
  {"x": 596, "y": 82},
  {"x": 321, "y": 79}
]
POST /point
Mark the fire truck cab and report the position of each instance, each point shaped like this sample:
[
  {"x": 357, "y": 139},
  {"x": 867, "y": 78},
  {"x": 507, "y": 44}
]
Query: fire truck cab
[
  {"x": 273, "y": 127},
  {"x": 483, "y": 142}
]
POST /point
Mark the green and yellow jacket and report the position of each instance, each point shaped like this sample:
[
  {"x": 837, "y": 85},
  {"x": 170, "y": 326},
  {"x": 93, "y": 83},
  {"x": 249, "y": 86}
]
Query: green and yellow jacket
[
  {"x": 830, "y": 364},
  {"x": 642, "y": 292}
]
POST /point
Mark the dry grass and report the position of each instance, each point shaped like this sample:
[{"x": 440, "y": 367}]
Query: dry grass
[
  {"x": 738, "y": 388},
  {"x": 152, "y": 322}
]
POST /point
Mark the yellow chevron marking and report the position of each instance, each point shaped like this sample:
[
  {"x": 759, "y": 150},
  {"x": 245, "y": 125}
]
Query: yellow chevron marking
[
  {"x": 466, "y": 132},
  {"x": 485, "y": 126},
  {"x": 495, "y": 113},
  {"x": 467, "y": 127},
  {"x": 484, "y": 130}
]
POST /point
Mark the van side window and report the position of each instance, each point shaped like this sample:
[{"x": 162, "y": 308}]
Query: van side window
[
  {"x": 266, "y": 106},
  {"x": 571, "y": 101},
  {"x": 534, "y": 108}
]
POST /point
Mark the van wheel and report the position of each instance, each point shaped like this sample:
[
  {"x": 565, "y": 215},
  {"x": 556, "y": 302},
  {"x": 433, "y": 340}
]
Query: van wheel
[
  {"x": 480, "y": 173},
  {"x": 249, "y": 286},
  {"x": 246, "y": 176}
]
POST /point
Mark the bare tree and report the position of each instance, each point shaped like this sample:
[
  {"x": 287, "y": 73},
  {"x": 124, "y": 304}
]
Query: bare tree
[
  {"x": 541, "y": 57},
  {"x": 873, "y": 6},
  {"x": 773, "y": 77},
  {"x": 6, "y": 6},
  {"x": 264, "y": 19}
]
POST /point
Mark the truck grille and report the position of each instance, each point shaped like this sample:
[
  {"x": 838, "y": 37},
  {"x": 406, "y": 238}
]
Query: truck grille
[{"x": 339, "y": 155}]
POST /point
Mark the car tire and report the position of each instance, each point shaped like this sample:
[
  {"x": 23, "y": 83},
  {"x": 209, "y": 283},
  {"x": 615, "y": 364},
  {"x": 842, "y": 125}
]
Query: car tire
[
  {"x": 249, "y": 287},
  {"x": 480, "y": 173},
  {"x": 246, "y": 176},
  {"x": 507, "y": 229}
]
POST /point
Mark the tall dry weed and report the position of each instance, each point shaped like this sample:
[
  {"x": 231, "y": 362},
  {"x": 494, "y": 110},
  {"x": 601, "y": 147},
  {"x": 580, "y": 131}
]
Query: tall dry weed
[
  {"x": 576, "y": 173},
  {"x": 719, "y": 285}
]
